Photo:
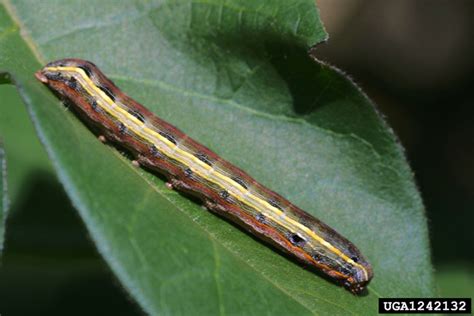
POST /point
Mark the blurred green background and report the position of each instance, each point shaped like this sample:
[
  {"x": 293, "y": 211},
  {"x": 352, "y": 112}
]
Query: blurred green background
[{"x": 413, "y": 58}]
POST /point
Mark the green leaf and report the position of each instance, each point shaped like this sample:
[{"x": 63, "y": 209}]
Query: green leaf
[
  {"x": 3, "y": 197},
  {"x": 235, "y": 75},
  {"x": 24, "y": 153},
  {"x": 455, "y": 280}
]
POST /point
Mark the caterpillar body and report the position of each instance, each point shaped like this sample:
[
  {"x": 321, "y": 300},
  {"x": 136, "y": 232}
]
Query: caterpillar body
[{"x": 195, "y": 169}]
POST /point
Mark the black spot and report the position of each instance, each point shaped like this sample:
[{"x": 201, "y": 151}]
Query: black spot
[
  {"x": 344, "y": 270},
  {"x": 188, "y": 172},
  {"x": 224, "y": 194},
  {"x": 274, "y": 203},
  {"x": 260, "y": 217},
  {"x": 94, "y": 105},
  {"x": 240, "y": 181},
  {"x": 137, "y": 115},
  {"x": 108, "y": 92},
  {"x": 203, "y": 158},
  {"x": 355, "y": 259},
  {"x": 72, "y": 83},
  {"x": 168, "y": 137},
  {"x": 296, "y": 240},
  {"x": 86, "y": 70},
  {"x": 320, "y": 259},
  {"x": 122, "y": 128},
  {"x": 54, "y": 76},
  {"x": 154, "y": 151}
]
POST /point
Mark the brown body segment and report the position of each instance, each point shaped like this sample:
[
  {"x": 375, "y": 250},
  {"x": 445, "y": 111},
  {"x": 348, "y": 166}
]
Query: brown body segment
[{"x": 287, "y": 227}]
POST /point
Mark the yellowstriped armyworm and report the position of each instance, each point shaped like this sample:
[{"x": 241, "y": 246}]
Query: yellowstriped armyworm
[{"x": 193, "y": 168}]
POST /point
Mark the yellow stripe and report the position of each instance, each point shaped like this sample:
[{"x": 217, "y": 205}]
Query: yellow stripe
[{"x": 145, "y": 132}]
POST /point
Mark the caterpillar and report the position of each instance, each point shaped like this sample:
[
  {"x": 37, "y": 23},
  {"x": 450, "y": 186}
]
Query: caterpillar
[{"x": 193, "y": 168}]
